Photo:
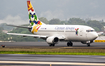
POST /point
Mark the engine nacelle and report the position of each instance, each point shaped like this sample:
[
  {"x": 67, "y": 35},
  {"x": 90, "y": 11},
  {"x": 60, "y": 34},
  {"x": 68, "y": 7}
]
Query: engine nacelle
[{"x": 52, "y": 40}]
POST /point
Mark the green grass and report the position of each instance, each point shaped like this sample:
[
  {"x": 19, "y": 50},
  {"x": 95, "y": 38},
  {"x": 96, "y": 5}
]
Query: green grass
[
  {"x": 48, "y": 53},
  {"x": 52, "y": 51}
]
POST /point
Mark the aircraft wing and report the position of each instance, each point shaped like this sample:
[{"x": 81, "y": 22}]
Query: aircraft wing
[
  {"x": 100, "y": 33},
  {"x": 26, "y": 35},
  {"x": 36, "y": 36},
  {"x": 20, "y": 26}
]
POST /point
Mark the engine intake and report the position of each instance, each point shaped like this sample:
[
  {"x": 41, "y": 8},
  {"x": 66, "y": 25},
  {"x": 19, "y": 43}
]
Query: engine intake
[{"x": 52, "y": 40}]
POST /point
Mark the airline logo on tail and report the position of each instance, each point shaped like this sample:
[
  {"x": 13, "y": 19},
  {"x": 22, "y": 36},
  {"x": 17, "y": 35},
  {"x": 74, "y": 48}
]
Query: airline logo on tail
[
  {"x": 35, "y": 28},
  {"x": 32, "y": 15}
]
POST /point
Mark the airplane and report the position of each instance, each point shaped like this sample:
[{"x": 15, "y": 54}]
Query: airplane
[{"x": 52, "y": 34}]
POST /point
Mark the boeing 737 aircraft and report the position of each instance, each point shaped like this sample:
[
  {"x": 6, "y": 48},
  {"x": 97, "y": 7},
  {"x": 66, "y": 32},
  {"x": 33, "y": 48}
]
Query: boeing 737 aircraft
[{"x": 55, "y": 33}]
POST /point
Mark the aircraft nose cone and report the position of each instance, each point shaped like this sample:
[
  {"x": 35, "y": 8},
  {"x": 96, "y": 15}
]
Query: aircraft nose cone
[
  {"x": 92, "y": 36},
  {"x": 95, "y": 35}
]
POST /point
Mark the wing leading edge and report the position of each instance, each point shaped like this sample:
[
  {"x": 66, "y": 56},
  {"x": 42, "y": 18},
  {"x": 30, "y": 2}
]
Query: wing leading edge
[
  {"x": 36, "y": 36},
  {"x": 26, "y": 35}
]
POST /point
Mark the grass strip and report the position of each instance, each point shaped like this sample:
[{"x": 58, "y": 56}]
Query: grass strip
[
  {"x": 49, "y": 53},
  {"x": 53, "y": 51}
]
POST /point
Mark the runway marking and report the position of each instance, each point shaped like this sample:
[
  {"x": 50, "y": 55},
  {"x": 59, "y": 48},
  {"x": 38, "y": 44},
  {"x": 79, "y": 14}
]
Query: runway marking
[
  {"x": 55, "y": 63},
  {"x": 99, "y": 40},
  {"x": 100, "y": 57}
]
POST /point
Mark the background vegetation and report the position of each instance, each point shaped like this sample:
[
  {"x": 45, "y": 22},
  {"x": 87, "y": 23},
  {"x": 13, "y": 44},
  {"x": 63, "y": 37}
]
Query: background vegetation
[{"x": 97, "y": 25}]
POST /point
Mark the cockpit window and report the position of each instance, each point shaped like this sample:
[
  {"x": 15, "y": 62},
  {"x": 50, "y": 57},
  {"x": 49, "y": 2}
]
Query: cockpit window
[{"x": 90, "y": 30}]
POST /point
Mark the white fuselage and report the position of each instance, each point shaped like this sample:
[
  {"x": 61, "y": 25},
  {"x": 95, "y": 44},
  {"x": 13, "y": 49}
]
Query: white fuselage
[{"x": 70, "y": 32}]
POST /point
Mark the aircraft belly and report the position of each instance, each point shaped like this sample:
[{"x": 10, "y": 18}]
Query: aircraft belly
[{"x": 68, "y": 36}]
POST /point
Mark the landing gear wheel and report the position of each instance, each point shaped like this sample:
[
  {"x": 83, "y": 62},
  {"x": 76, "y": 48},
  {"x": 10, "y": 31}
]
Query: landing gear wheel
[
  {"x": 88, "y": 44},
  {"x": 3, "y": 46},
  {"x": 69, "y": 43},
  {"x": 51, "y": 45}
]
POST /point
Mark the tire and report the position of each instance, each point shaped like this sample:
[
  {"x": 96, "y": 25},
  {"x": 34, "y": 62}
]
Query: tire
[
  {"x": 52, "y": 45},
  {"x": 69, "y": 43},
  {"x": 88, "y": 45}
]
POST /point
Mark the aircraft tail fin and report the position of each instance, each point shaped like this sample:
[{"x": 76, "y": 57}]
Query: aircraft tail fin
[{"x": 33, "y": 19}]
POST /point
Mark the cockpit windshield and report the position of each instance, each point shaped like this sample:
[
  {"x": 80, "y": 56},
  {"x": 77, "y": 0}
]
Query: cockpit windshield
[{"x": 90, "y": 30}]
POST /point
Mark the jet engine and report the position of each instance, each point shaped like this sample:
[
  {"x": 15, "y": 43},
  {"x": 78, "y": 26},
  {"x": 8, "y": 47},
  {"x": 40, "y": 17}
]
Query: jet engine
[{"x": 52, "y": 40}]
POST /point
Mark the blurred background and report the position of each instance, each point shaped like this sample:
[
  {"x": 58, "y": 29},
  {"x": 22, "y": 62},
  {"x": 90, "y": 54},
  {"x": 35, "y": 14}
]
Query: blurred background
[{"x": 72, "y": 12}]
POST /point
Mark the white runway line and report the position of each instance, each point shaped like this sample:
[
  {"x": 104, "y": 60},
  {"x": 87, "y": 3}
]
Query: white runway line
[
  {"x": 56, "y": 63},
  {"x": 101, "y": 57}
]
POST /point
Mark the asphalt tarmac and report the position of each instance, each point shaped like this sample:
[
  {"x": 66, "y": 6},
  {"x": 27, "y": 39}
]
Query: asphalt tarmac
[
  {"x": 44, "y": 44},
  {"x": 51, "y": 60}
]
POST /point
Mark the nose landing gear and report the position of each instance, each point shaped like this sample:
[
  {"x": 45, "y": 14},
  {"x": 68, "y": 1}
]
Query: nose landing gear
[{"x": 87, "y": 42}]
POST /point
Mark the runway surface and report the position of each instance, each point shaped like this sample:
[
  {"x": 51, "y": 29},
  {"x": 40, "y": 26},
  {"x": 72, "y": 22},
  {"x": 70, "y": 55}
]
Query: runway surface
[
  {"x": 51, "y": 60},
  {"x": 44, "y": 44}
]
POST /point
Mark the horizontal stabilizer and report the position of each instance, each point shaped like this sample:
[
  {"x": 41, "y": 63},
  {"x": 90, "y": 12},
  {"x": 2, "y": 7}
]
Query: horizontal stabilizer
[{"x": 20, "y": 26}]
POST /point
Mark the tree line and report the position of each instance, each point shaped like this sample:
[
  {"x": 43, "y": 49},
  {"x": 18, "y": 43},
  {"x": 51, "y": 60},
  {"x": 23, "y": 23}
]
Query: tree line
[{"x": 97, "y": 25}]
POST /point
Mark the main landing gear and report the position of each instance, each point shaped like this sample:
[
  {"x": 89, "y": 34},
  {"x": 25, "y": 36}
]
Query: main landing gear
[
  {"x": 69, "y": 43},
  {"x": 88, "y": 44},
  {"x": 51, "y": 45}
]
